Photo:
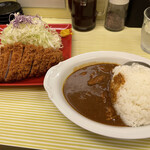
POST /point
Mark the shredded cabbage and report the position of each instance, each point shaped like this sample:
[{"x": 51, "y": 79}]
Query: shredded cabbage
[{"x": 30, "y": 29}]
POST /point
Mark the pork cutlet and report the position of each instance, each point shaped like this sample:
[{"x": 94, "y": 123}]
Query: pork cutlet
[{"x": 19, "y": 61}]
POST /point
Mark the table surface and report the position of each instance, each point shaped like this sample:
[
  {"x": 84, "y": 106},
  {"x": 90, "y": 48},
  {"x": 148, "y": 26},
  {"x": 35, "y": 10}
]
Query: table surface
[{"x": 28, "y": 118}]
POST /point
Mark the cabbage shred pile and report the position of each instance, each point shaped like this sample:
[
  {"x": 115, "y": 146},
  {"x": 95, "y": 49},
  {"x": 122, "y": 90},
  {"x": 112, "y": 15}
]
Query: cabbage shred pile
[{"x": 30, "y": 29}]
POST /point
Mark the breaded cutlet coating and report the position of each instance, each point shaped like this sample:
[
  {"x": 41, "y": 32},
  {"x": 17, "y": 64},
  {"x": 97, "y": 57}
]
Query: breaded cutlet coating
[
  {"x": 37, "y": 61},
  {"x": 16, "y": 58},
  {"x": 1, "y": 62},
  {"x": 1, "y": 50},
  {"x": 6, "y": 60},
  {"x": 26, "y": 62},
  {"x": 50, "y": 58},
  {"x": 45, "y": 61},
  {"x": 56, "y": 56},
  {"x": 19, "y": 61}
]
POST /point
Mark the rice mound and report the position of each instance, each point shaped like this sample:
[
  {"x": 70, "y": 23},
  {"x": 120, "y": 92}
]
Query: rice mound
[{"x": 132, "y": 97}]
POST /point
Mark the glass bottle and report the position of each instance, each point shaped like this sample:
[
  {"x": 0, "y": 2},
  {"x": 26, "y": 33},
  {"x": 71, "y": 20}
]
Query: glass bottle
[
  {"x": 83, "y": 14},
  {"x": 116, "y": 14}
]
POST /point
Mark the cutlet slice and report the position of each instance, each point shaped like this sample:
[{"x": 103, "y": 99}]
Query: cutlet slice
[
  {"x": 16, "y": 58},
  {"x": 1, "y": 63},
  {"x": 45, "y": 61},
  {"x": 1, "y": 50},
  {"x": 37, "y": 61},
  {"x": 50, "y": 58},
  {"x": 26, "y": 62},
  {"x": 56, "y": 56},
  {"x": 6, "y": 58}
]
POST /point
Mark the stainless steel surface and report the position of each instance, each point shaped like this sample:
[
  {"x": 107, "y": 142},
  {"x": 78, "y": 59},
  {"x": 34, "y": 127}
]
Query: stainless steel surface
[{"x": 137, "y": 62}]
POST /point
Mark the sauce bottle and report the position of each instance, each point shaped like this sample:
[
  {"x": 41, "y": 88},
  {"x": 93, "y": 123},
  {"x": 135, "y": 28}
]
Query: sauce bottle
[
  {"x": 135, "y": 13},
  {"x": 83, "y": 14}
]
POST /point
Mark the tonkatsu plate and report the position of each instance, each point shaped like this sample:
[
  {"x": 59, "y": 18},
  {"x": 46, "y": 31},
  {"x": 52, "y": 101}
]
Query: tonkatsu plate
[{"x": 29, "y": 47}]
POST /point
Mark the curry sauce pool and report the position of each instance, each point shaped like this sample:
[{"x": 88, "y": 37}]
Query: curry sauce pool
[{"x": 87, "y": 90}]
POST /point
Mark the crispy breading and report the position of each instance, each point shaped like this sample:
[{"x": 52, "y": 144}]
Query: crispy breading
[
  {"x": 19, "y": 61},
  {"x": 55, "y": 57},
  {"x": 6, "y": 61},
  {"x": 16, "y": 58},
  {"x": 45, "y": 61},
  {"x": 50, "y": 58},
  {"x": 2, "y": 49},
  {"x": 37, "y": 62},
  {"x": 26, "y": 62}
]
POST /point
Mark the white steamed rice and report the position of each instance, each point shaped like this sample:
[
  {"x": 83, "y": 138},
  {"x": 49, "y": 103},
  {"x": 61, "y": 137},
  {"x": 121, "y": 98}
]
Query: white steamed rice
[{"x": 133, "y": 97}]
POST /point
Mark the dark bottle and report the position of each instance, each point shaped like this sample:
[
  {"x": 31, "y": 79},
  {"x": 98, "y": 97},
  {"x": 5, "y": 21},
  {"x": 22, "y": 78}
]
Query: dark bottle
[
  {"x": 83, "y": 14},
  {"x": 135, "y": 14}
]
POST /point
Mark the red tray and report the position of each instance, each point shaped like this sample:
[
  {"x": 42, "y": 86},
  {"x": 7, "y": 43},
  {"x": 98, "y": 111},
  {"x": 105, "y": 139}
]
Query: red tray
[{"x": 67, "y": 45}]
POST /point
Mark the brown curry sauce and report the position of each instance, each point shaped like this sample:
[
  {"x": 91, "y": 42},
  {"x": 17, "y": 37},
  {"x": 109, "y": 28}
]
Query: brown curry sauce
[{"x": 87, "y": 90}]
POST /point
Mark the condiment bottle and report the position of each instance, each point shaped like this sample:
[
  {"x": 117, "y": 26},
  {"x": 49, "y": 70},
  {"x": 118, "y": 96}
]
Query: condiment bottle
[
  {"x": 116, "y": 14},
  {"x": 83, "y": 14},
  {"x": 135, "y": 13}
]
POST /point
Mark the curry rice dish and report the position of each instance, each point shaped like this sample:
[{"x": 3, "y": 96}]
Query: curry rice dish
[
  {"x": 19, "y": 61},
  {"x": 111, "y": 94}
]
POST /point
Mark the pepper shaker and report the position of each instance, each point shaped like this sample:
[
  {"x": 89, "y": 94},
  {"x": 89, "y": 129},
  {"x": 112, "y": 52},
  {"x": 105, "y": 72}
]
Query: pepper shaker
[{"x": 116, "y": 14}]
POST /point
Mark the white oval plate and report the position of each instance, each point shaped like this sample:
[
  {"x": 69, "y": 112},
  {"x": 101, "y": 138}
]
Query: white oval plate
[{"x": 56, "y": 76}]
